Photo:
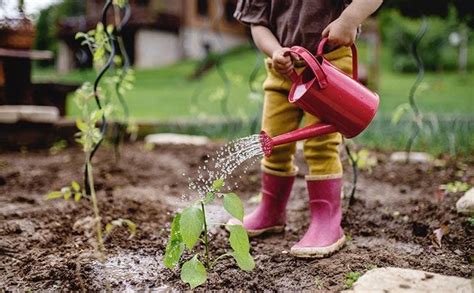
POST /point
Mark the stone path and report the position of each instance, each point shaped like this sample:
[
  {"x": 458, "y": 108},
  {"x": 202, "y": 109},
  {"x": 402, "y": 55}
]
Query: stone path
[{"x": 407, "y": 280}]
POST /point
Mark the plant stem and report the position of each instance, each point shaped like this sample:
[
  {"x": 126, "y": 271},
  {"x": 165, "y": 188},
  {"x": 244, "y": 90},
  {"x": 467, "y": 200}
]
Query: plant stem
[
  {"x": 220, "y": 257},
  {"x": 206, "y": 242},
  {"x": 95, "y": 207}
]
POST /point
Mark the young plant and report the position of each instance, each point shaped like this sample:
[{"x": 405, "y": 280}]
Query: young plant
[
  {"x": 190, "y": 227},
  {"x": 90, "y": 136},
  {"x": 109, "y": 54},
  {"x": 350, "y": 279},
  {"x": 453, "y": 187}
]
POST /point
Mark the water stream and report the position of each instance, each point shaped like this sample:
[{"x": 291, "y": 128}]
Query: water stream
[{"x": 223, "y": 163}]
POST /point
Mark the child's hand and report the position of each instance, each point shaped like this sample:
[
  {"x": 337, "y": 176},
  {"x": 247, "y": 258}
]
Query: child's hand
[
  {"x": 340, "y": 32},
  {"x": 282, "y": 63}
]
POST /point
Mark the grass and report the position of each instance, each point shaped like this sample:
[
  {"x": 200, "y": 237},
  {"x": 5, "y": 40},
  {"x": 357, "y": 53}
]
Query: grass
[{"x": 167, "y": 93}]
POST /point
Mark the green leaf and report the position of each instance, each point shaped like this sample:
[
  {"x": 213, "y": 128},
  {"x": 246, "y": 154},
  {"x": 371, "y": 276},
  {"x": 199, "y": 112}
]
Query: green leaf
[
  {"x": 99, "y": 53},
  {"x": 96, "y": 115},
  {"x": 80, "y": 35},
  {"x": 173, "y": 253},
  {"x": 67, "y": 195},
  {"x": 175, "y": 246},
  {"x": 54, "y": 195},
  {"x": 399, "y": 112},
  {"x": 75, "y": 186},
  {"x": 108, "y": 228},
  {"x": 191, "y": 225},
  {"x": 234, "y": 206},
  {"x": 193, "y": 272},
  {"x": 239, "y": 240},
  {"x": 77, "y": 196},
  {"x": 81, "y": 125},
  {"x": 132, "y": 227},
  {"x": 210, "y": 196},
  {"x": 244, "y": 261},
  {"x": 217, "y": 184}
]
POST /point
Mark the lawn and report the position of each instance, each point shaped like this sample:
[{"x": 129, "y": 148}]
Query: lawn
[
  {"x": 168, "y": 93},
  {"x": 446, "y": 99}
]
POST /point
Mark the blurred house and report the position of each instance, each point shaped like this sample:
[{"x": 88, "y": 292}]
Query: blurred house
[{"x": 160, "y": 32}]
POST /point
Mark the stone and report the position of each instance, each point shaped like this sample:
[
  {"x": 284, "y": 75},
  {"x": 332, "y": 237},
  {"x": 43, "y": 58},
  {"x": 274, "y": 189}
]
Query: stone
[
  {"x": 465, "y": 205},
  {"x": 392, "y": 279},
  {"x": 174, "y": 138},
  {"x": 415, "y": 157},
  {"x": 11, "y": 114}
]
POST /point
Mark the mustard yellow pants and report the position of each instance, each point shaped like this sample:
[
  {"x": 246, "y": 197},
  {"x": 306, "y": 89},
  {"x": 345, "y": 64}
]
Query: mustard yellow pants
[{"x": 280, "y": 116}]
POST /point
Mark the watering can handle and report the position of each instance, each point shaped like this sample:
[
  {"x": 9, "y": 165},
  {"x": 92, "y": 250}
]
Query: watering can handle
[
  {"x": 320, "y": 52},
  {"x": 312, "y": 63}
]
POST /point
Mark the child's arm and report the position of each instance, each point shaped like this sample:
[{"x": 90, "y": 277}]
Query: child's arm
[
  {"x": 268, "y": 44},
  {"x": 343, "y": 30}
]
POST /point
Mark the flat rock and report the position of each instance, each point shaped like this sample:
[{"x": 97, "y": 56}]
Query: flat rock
[
  {"x": 415, "y": 157},
  {"x": 406, "y": 280},
  {"x": 174, "y": 138},
  {"x": 40, "y": 114},
  {"x": 465, "y": 205}
]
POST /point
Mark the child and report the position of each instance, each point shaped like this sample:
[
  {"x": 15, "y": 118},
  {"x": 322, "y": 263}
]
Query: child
[{"x": 277, "y": 25}]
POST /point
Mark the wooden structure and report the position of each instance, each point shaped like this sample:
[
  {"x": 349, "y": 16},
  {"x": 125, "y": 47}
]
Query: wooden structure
[
  {"x": 174, "y": 28},
  {"x": 16, "y": 88},
  {"x": 16, "y": 69}
]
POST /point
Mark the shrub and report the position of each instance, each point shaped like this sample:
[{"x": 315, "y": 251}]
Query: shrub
[{"x": 398, "y": 33}]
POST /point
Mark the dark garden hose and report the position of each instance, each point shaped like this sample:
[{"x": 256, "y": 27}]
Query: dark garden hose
[
  {"x": 355, "y": 173},
  {"x": 101, "y": 73},
  {"x": 126, "y": 59},
  {"x": 411, "y": 98}
]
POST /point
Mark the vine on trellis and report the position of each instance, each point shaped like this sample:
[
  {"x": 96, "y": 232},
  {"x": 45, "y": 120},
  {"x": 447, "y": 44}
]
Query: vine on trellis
[
  {"x": 101, "y": 43},
  {"x": 417, "y": 115}
]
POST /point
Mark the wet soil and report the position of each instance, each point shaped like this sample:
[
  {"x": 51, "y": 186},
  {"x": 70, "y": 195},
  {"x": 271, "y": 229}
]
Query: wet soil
[{"x": 46, "y": 245}]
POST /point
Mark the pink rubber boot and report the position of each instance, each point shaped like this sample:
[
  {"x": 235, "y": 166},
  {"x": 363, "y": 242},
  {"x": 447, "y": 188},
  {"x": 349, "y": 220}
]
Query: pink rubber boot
[
  {"x": 270, "y": 215},
  {"x": 325, "y": 235}
]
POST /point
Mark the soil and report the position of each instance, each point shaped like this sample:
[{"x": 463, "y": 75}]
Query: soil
[{"x": 45, "y": 245}]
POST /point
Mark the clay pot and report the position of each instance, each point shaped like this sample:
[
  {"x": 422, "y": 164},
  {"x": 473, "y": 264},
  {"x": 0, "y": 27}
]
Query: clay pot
[{"x": 17, "y": 34}]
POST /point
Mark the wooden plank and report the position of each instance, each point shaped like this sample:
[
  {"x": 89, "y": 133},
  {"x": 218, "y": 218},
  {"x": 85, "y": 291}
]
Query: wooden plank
[{"x": 26, "y": 54}]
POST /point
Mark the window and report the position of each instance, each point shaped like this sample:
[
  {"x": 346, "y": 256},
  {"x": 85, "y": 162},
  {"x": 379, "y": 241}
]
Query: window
[
  {"x": 229, "y": 10},
  {"x": 203, "y": 7}
]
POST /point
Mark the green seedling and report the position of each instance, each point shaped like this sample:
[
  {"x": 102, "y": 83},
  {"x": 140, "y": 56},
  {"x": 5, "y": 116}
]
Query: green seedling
[
  {"x": 453, "y": 187},
  {"x": 101, "y": 43},
  {"x": 364, "y": 160},
  {"x": 318, "y": 283},
  {"x": 88, "y": 136},
  {"x": 107, "y": 47},
  {"x": 350, "y": 279},
  {"x": 190, "y": 227},
  {"x": 470, "y": 221},
  {"x": 58, "y": 147}
]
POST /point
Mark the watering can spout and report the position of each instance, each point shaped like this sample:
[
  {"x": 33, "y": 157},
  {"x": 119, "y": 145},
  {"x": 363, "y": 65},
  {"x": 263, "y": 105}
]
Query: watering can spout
[
  {"x": 340, "y": 102},
  {"x": 268, "y": 143}
]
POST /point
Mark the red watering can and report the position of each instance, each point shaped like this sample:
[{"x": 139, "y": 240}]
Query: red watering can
[{"x": 340, "y": 102}]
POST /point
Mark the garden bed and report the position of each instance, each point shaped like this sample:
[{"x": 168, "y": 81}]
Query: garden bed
[{"x": 43, "y": 247}]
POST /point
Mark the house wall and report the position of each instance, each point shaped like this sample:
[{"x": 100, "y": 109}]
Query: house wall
[
  {"x": 156, "y": 48},
  {"x": 194, "y": 38},
  {"x": 215, "y": 27},
  {"x": 65, "y": 58}
]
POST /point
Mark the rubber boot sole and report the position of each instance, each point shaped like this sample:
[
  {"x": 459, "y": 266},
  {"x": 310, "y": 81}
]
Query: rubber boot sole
[
  {"x": 318, "y": 252},
  {"x": 270, "y": 230},
  {"x": 257, "y": 232}
]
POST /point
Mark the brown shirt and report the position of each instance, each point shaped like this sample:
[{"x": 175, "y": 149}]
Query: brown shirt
[{"x": 293, "y": 22}]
